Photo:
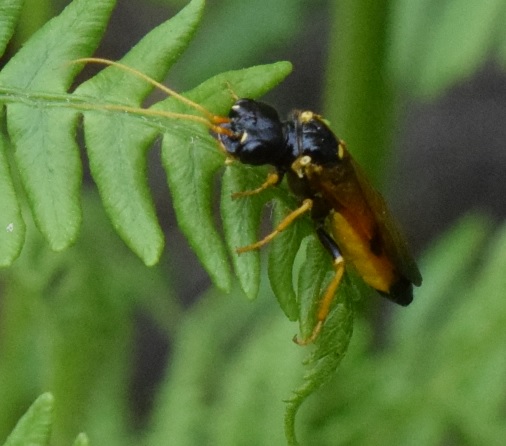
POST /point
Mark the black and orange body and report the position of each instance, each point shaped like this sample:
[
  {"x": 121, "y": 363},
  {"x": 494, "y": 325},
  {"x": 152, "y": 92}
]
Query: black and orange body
[{"x": 352, "y": 219}]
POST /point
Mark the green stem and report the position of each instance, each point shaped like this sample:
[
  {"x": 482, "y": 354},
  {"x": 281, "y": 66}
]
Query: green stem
[{"x": 359, "y": 95}]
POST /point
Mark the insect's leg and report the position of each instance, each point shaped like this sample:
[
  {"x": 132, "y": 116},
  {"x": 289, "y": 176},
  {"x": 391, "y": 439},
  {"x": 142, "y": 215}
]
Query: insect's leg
[
  {"x": 273, "y": 178},
  {"x": 306, "y": 206},
  {"x": 330, "y": 293}
]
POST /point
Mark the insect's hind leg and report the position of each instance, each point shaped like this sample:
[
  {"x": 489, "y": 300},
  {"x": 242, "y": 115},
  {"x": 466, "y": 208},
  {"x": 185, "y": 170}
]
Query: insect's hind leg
[{"x": 330, "y": 293}]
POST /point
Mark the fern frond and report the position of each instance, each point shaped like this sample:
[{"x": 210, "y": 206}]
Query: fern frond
[{"x": 42, "y": 119}]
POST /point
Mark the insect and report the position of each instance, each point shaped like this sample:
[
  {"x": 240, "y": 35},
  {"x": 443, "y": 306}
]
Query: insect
[{"x": 351, "y": 218}]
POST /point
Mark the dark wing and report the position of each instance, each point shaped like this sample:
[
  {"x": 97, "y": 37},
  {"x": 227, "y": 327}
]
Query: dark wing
[{"x": 394, "y": 242}]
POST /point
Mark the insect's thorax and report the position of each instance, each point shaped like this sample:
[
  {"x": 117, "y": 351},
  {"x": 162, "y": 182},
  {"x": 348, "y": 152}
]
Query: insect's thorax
[
  {"x": 303, "y": 148},
  {"x": 306, "y": 134},
  {"x": 318, "y": 164}
]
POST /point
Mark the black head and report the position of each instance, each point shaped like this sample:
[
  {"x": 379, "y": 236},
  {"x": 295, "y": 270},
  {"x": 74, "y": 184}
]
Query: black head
[
  {"x": 308, "y": 135},
  {"x": 257, "y": 134}
]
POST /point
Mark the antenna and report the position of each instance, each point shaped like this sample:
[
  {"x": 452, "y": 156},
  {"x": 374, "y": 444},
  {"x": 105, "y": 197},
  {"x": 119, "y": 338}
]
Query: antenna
[{"x": 209, "y": 119}]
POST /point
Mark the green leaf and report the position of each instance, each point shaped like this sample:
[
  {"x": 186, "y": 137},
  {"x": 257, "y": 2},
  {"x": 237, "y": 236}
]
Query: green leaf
[
  {"x": 333, "y": 341},
  {"x": 437, "y": 44},
  {"x": 282, "y": 254},
  {"x": 190, "y": 173},
  {"x": 119, "y": 170},
  {"x": 154, "y": 55},
  {"x": 12, "y": 226},
  {"x": 34, "y": 427},
  {"x": 241, "y": 218},
  {"x": 191, "y": 159},
  {"x": 42, "y": 121},
  {"x": 117, "y": 144},
  {"x": 42, "y": 64},
  {"x": 46, "y": 154},
  {"x": 81, "y": 440},
  {"x": 50, "y": 168},
  {"x": 311, "y": 285},
  {"x": 10, "y": 10}
]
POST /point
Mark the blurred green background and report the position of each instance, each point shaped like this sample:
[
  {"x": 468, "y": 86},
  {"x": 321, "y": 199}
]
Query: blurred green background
[{"x": 156, "y": 356}]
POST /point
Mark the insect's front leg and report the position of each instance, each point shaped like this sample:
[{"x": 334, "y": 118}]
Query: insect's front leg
[{"x": 273, "y": 179}]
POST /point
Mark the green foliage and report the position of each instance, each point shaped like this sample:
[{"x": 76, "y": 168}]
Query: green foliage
[
  {"x": 69, "y": 315},
  {"x": 191, "y": 160},
  {"x": 436, "y": 44},
  {"x": 227, "y": 378},
  {"x": 282, "y": 255},
  {"x": 41, "y": 124},
  {"x": 232, "y": 25},
  {"x": 34, "y": 87},
  {"x": 434, "y": 381},
  {"x": 379, "y": 48},
  {"x": 333, "y": 341},
  {"x": 34, "y": 427},
  {"x": 439, "y": 377}
]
